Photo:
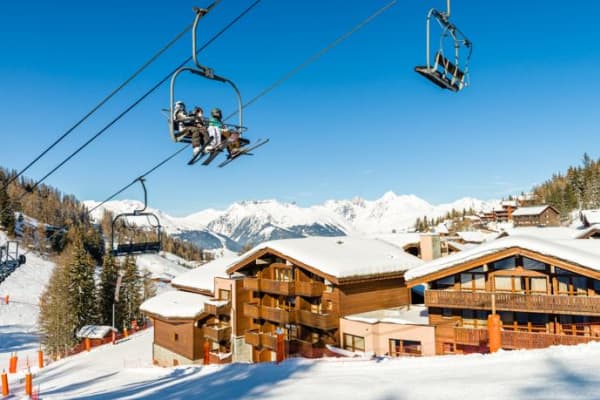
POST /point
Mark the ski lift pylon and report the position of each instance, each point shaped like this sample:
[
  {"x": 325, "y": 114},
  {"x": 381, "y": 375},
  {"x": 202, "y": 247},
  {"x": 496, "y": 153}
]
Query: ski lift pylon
[
  {"x": 152, "y": 247},
  {"x": 447, "y": 73}
]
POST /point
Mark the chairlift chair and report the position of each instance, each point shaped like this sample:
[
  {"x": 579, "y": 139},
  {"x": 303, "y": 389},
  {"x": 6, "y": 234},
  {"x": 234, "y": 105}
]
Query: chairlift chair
[
  {"x": 204, "y": 72},
  {"x": 451, "y": 74},
  {"x": 130, "y": 247}
]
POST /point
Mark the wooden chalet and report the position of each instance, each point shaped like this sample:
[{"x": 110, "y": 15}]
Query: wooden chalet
[
  {"x": 590, "y": 218},
  {"x": 536, "y": 216},
  {"x": 301, "y": 287},
  {"x": 546, "y": 292}
]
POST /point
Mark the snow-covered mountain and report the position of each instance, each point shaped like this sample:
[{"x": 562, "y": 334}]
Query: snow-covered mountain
[{"x": 252, "y": 222}]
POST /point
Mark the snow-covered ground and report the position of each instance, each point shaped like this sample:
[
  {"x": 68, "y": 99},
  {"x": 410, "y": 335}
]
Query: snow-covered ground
[
  {"x": 18, "y": 319},
  {"x": 165, "y": 265},
  {"x": 123, "y": 371}
]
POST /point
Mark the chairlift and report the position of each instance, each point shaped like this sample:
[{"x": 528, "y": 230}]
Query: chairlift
[
  {"x": 450, "y": 73},
  {"x": 131, "y": 247},
  {"x": 10, "y": 259},
  {"x": 207, "y": 73}
]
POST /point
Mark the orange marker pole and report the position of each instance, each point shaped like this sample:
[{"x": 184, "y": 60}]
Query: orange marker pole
[
  {"x": 125, "y": 332},
  {"x": 206, "y": 353},
  {"x": 88, "y": 344},
  {"x": 6, "y": 299},
  {"x": 5, "y": 390},
  {"x": 494, "y": 332},
  {"x": 40, "y": 359},
  {"x": 114, "y": 337},
  {"x": 28, "y": 384}
]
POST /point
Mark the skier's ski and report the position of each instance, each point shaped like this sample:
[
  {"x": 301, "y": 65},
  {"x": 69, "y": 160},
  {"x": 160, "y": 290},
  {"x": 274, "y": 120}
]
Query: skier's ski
[{"x": 244, "y": 151}]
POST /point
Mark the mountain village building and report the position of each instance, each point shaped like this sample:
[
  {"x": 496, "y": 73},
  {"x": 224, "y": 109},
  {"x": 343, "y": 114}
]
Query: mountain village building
[{"x": 536, "y": 216}]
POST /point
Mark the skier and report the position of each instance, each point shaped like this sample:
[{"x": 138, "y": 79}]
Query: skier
[
  {"x": 198, "y": 130},
  {"x": 215, "y": 127},
  {"x": 233, "y": 137}
]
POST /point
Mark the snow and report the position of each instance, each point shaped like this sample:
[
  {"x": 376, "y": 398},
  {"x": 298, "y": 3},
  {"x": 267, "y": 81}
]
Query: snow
[
  {"x": 94, "y": 331},
  {"x": 535, "y": 210},
  {"x": 175, "y": 304},
  {"x": 124, "y": 371},
  {"x": 408, "y": 315},
  {"x": 163, "y": 266},
  {"x": 400, "y": 239},
  {"x": 591, "y": 216},
  {"x": 18, "y": 319},
  {"x": 585, "y": 253},
  {"x": 343, "y": 257},
  {"x": 203, "y": 277}
]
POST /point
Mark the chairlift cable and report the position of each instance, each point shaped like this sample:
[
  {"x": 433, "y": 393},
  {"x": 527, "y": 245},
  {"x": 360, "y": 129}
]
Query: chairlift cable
[
  {"x": 263, "y": 93},
  {"x": 100, "y": 104},
  {"x": 134, "y": 104}
]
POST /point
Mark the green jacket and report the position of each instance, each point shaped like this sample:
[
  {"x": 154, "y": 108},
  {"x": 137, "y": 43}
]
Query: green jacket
[{"x": 215, "y": 122}]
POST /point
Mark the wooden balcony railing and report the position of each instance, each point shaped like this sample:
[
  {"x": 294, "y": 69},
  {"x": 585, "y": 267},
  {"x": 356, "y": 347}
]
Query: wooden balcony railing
[
  {"x": 217, "y": 307},
  {"x": 309, "y": 289},
  {"x": 251, "y": 310},
  {"x": 259, "y": 339},
  {"x": 468, "y": 336},
  {"x": 320, "y": 321},
  {"x": 285, "y": 288},
  {"x": 217, "y": 332},
  {"x": 251, "y": 284},
  {"x": 277, "y": 315},
  {"x": 574, "y": 305},
  {"x": 252, "y": 337},
  {"x": 526, "y": 340}
]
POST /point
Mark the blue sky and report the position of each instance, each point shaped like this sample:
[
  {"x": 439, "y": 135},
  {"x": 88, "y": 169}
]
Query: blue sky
[{"x": 358, "y": 122}]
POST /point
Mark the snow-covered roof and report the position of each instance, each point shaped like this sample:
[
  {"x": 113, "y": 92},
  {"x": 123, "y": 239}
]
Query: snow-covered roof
[
  {"x": 442, "y": 228},
  {"x": 175, "y": 304},
  {"x": 203, "y": 277},
  {"x": 343, "y": 257},
  {"x": 509, "y": 203},
  {"x": 534, "y": 210},
  {"x": 585, "y": 253},
  {"x": 581, "y": 234},
  {"x": 415, "y": 314},
  {"x": 94, "y": 331},
  {"x": 590, "y": 217},
  {"x": 547, "y": 232},
  {"x": 399, "y": 239}
]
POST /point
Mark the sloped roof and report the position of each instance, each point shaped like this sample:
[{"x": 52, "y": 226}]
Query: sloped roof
[
  {"x": 535, "y": 210},
  {"x": 94, "y": 331},
  {"x": 175, "y": 305},
  {"x": 585, "y": 253},
  {"x": 203, "y": 277},
  {"x": 340, "y": 257},
  {"x": 590, "y": 217}
]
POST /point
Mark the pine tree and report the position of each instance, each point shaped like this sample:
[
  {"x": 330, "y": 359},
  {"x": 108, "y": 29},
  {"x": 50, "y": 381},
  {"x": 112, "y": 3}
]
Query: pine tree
[
  {"x": 82, "y": 287},
  {"x": 56, "y": 323},
  {"x": 7, "y": 214},
  {"x": 130, "y": 293},
  {"x": 106, "y": 290}
]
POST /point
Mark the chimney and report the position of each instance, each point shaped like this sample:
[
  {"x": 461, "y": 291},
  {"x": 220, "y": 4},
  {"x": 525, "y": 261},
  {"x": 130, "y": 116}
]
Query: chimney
[{"x": 430, "y": 246}]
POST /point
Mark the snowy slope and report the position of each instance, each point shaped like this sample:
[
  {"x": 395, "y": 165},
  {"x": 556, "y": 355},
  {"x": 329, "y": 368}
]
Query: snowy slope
[
  {"x": 123, "y": 371},
  {"x": 253, "y": 222},
  {"x": 18, "y": 319}
]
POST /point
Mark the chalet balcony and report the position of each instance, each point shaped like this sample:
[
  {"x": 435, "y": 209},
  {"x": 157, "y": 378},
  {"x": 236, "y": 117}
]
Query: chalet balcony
[
  {"x": 285, "y": 288},
  {"x": 277, "y": 315},
  {"x": 309, "y": 289},
  {"x": 526, "y": 340},
  {"x": 252, "y": 310},
  {"x": 324, "y": 322},
  {"x": 472, "y": 337},
  {"x": 573, "y": 305},
  {"x": 252, "y": 337},
  {"x": 217, "y": 307},
  {"x": 217, "y": 332},
  {"x": 251, "y": 284},
  {"x": 260, "y": 339}
]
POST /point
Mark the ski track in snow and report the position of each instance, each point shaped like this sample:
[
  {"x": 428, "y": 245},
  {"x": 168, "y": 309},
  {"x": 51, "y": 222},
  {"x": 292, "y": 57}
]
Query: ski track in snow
[{"x": 123, "y": 371}]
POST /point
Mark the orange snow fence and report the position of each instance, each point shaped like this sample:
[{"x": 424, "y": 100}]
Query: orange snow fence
[
  {"x": 12, "y": 367},
  {"x": 40, "y": 359},
  {"x": 494, "y": 332},
  {"x": 5, "y": 390},
  {"x": 28, "y": 384},
  {"x": 206, "y": 353},
  {"x": 280, "y": 348}
]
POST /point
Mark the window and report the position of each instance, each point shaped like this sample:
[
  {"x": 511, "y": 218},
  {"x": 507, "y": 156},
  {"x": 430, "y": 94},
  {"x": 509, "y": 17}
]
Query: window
[
  {"x": 468, "y": 319},
  {"x": 538, "y": 285},
  {"x": 447, "y": 312},
  {"x": 445, "y": 283},
  {"x": 531, "y": 264},
  {"x": 224, "y": 294},
  {"x": 176, "y": 337},
  {"x": 572, "y": 285},
  {"x": 507, "y": 263},
  {"x": 283, "y": 274},
  {"x": 472, "y": 281},
  {"x": 354, "y": 343},
  {"x": 503, "y": 283},
  {"x": 401, "y": 347}
]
